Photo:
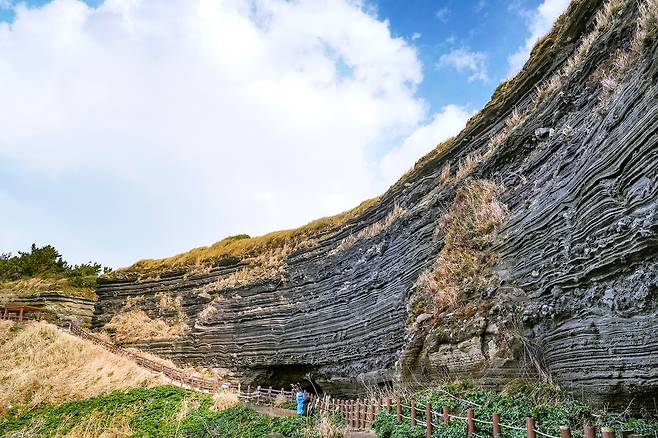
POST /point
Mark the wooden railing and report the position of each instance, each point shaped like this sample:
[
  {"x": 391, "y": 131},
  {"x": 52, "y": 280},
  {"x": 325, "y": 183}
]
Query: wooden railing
[
  {"x": 182, "y": 378},
  {"x": 358, "y": 414}
]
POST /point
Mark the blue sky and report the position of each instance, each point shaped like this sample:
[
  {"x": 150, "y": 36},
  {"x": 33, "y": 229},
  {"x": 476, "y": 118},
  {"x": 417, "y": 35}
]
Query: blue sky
[{"x": 142, "y": 128}]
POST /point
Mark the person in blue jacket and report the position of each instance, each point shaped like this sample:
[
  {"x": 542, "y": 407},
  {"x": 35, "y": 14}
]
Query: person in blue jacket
[{"x": 301, "y": 398}]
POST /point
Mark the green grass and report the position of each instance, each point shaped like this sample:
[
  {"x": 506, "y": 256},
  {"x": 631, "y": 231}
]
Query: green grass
[
  {"x": 551, "y": 408},
  {"x": 164, "y": 411}
]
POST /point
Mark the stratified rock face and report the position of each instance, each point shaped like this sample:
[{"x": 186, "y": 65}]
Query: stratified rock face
[
  {"x": 58, "y": 307},
  {"x": 577, "y": 258}
]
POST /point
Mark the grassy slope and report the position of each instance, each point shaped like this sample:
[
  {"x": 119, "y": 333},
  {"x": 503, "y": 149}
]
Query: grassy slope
[
  {"x": 57, "y": 385},
  {"x": 40, "y": 363}
]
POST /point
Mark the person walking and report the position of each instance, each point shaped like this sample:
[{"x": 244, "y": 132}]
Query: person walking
[{"x": 301, "y": 398}]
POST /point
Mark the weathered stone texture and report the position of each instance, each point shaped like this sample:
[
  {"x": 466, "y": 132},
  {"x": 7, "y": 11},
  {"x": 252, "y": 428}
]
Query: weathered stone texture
[{"x": 578, "y": 256}]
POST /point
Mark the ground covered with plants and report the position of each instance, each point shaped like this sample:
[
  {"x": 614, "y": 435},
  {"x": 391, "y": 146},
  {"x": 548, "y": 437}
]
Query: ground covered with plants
[
  {"x": 550, "y": 407},
  {"x": 163, "y": 411}
]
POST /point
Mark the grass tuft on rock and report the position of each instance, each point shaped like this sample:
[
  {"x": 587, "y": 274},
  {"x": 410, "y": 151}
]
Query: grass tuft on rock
[{"x": 464, "y": 264}]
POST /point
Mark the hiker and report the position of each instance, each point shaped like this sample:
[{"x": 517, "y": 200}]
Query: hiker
[{"x": 301, "y": 398}]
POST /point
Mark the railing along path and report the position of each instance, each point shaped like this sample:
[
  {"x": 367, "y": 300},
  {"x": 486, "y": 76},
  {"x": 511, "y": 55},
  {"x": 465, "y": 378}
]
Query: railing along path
[{"x": 358, "y": 414}]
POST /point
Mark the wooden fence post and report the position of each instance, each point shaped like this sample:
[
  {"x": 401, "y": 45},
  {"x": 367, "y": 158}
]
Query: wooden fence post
[
  {"x": 495, "y": 418},
  {"x": 358, "y": 413},
  {"x": 269, "y": 394},
  {"x": 588, "y": 431},
  {"x": 413, "y": 413},
  {"x": 399, "y": 408},
  {"x": 446, "y": 414},
  {"x": 530, "y": 427},
  {"x": 565, "y": 432},
  {"x": 388, "y": 405},
  {"x": 239, "y": 393},
  {"x": 352, "y": 414},
  {"x": 470, "y": 414},
  {"x": 607, "y": 432},
  {"x": 428, "y": 420},
  {"x": 372, "y": 414},
  {"x": 258, "y": 395}
]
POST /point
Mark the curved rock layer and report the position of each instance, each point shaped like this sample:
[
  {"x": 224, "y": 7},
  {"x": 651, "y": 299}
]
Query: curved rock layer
[
  {"x": 577, "y": 259},
  {"x": 58, "y": 308}
]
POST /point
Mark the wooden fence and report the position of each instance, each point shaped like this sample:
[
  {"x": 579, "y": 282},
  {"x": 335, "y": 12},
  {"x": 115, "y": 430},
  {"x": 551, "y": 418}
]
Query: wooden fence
[
  {"x": 183, "y": 379},
  {"x": 358, "y": 414}
]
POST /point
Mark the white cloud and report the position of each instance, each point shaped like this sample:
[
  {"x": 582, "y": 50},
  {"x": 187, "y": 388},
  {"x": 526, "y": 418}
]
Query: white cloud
[
  {"x": 540, "y": 21},
  {"x": 415, "y": 36},
  {"x": 464, "y": 60},
  {"x": 443, "y": 13},
  {"x": 143, "y": 128},
  {"x": 445, "y": 124}
]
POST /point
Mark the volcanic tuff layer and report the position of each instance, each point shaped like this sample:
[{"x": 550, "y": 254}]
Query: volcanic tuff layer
[{"x": 573, "y": 141}]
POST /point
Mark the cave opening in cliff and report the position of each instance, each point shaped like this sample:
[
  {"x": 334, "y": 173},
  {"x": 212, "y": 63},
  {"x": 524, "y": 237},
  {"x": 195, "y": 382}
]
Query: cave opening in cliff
[{"x": 283, "y": 376}]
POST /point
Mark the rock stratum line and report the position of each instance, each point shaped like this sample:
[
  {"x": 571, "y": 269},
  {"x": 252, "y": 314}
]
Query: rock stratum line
[{"x": 572, "y": 140}]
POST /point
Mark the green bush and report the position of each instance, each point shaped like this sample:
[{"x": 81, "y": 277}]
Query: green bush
[
  {"x": 550, "y": 407},
  {"x": 47, "y": 262}
]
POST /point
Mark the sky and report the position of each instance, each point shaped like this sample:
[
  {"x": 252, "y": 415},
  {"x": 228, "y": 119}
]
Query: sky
[{"x": 134, "y": 129}]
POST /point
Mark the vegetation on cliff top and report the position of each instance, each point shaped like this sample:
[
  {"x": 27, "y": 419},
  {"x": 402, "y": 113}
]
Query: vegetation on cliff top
[
  {"x": 243, "y": 248},
  {"x": 43, "y": 269}
]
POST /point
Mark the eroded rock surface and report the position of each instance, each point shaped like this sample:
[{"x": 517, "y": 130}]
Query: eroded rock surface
[{"x": 577, "y": 258}]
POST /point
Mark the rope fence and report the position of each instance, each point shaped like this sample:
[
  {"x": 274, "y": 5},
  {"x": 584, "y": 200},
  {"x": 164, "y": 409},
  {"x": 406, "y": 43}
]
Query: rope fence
[{"x": 358, "y": 414}]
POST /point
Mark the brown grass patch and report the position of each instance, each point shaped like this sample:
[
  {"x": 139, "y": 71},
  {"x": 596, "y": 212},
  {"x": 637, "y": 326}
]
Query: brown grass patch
[
  {"x": 38, "y": 285},
  {"x": 269, "y": 265},
  {"x": 467, "y": 165},
  {"x": 43, "y": 364},
  {"x": 224, "y": 400},
  {"x": 242, "y": 248},
  {"x": 135, "y": 326},
  {"x": 647, "y": 26},
  {"x": 102, "y": 425},
  {"x": 371, "y": 230},
  {"x": 464, "y": 264}
]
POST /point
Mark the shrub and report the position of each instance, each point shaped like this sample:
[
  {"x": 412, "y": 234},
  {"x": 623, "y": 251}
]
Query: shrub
[{"x": 464, "y": 264}]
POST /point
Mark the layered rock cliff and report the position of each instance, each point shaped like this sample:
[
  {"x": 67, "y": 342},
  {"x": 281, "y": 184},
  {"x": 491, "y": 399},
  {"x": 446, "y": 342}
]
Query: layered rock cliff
[{"x": 555, "y": 274}]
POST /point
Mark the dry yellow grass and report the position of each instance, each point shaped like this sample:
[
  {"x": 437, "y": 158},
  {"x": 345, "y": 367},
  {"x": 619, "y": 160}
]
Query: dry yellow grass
[
  {"x": 446, "y": 174},
  {"x": 464, "y": 263},
  {"x": 242, "y": 248},
  {"x": 40, "y": 363},
  {"x": 467, "y": 165},
  {"x": 135, "y": 325},
  {"x": 100, "y": 425},
  {"x": 38, "y": 285},
  {"x": 371, "y": 230},
  {"x": 132, "y": 324},
  {"x": 647, "y": 26},
  {"x": 224, "y": 400},
  {"x": 280, "y": 400}
]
